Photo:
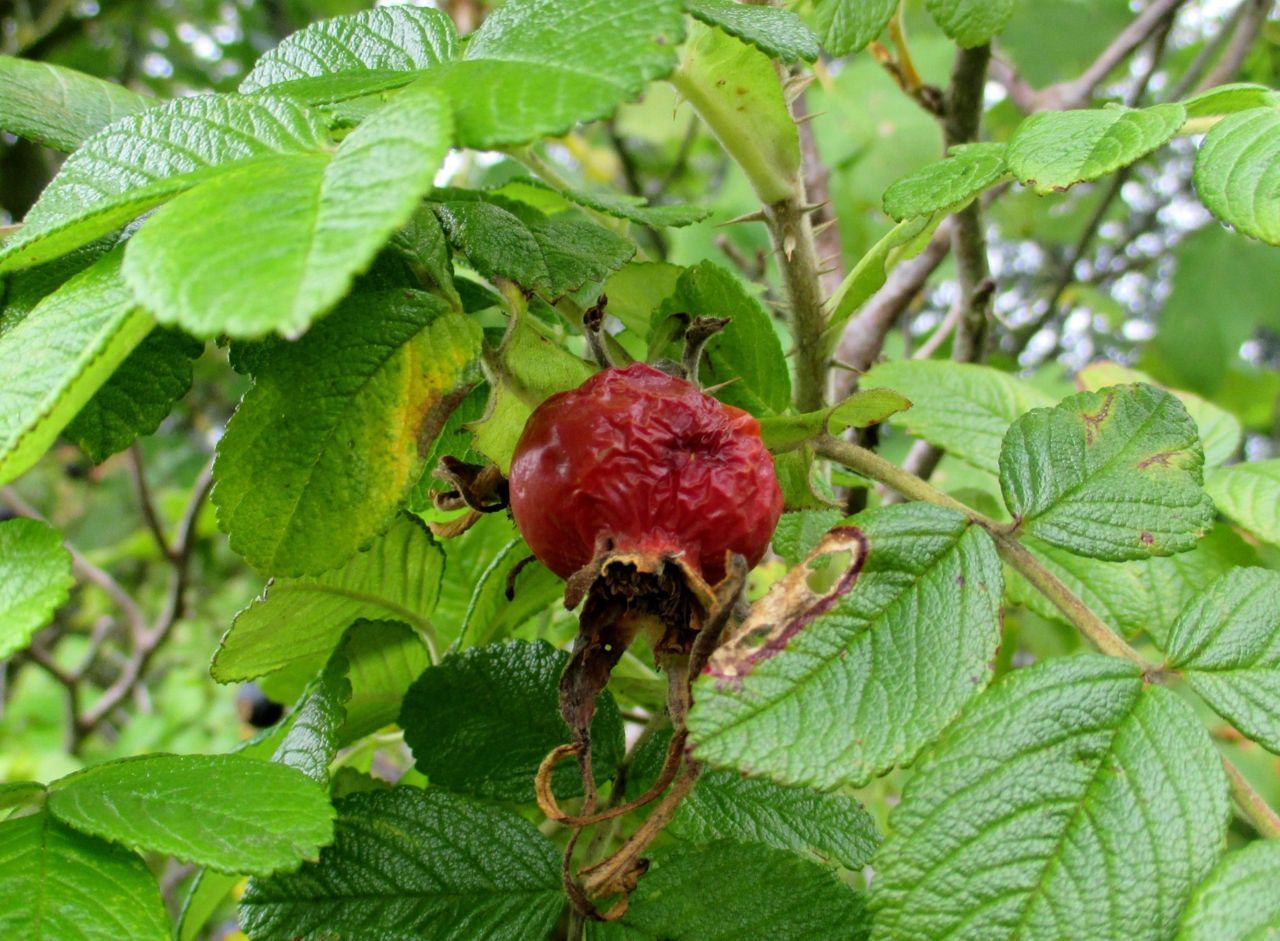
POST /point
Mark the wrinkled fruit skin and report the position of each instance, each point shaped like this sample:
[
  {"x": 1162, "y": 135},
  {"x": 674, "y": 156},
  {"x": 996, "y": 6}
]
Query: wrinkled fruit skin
[{"x": 635, "y": 461}]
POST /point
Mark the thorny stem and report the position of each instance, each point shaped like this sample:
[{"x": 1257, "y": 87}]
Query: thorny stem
[{"x": 792, "y": 232}]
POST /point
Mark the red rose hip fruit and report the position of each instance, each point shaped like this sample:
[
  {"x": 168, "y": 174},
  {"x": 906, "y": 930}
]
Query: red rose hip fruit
[{"x": 635, "y": 462}]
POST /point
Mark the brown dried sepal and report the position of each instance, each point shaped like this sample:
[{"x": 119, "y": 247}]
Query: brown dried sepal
[{"x": 478, "y": 487}]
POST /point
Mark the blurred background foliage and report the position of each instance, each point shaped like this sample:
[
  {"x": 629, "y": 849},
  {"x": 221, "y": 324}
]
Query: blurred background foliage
[{"x": 1131, "y": 269}]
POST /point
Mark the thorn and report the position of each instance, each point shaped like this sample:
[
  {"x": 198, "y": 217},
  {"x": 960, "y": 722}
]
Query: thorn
[
  {"x": 845, "y": 366},
  {"x": 823, "y": 226},
  {"x": 824, "y": 271},
  {"x": 809, "y": 117},
  {"x": 797, "y": 86},
  {"x": 754, "y": 216},
  {"x": 812, "y": 207},
  {"x": 789, "y": 245},
  {"x": 716, "y": 388}
]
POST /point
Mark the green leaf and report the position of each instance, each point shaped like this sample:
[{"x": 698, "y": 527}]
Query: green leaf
[
  {"x": 1054, "y": 150},
  {"x": 364, "y": 52},
  {"x": 35, "y": 580},
  {"x": 820, "y": 700},
  {"x": 551, "y": 255},
  {"x": 407, "y": 863},
  {"x": 300, "y": 621},
  {"x": 200, "y": 261},
  {"x": 58, "y": 356},
  {"x": 138, "y": 396},
  {"x": 1240, "y": 900},
  {"x": 203, "y": 899},
  {"x": 327, "y": 444},
  {"x": 971, "y": 22},
  {"x": 19, "y": 793},
  {"x": 1237, "y": 172},
  {"x": 949, "y": 184},
  {"x": 227, "y": 812},
  {"x": 111, "y": 179},
  {"x": 310, "y": 739},
  {"x": 1113, "y": 474},
  {"x": 1227, "y": 643},
  {"x": 847, "y": 26},
  {"x": 735, "y": 88},
  {"x": 799, "y": 531},
  {"x": 490, "y": 614},
  {"x": 1035, "y": 817},
  {"x": 481, "y": 722},
  {"x": 777, "y": 33},
  {"x": 865, "y": 407},
  {"x": 1220, "y": 431},
  {"x": 872, "y": 270},
  {"x": 546, "y": 65},
  {"x": 1249, "y": 493},
  {"x": 59, "y": 107},
  {"x": 636, "y": 292},
  {"x": 832, "y": 828},
  {"x": 728, "y": 891},
  {"x": 58, "y": 885},
  {"x": 747, "y": 350},
  {"x": 385, "y": 658},
  {"x": 1228, "y": 99},
  {"x": 632, "y": 208},
  {"x": 961, "y": 408}
]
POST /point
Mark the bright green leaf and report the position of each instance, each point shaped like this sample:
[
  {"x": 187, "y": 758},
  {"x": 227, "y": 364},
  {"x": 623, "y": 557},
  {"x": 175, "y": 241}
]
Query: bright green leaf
[
  {"x": 730, "y": 891},
  {"x": 59, "y": 107},
  {"x": 1240, "y": 900},
  {"x": 799, "y": 531},
  {"x": 59, "y": 885},
  {"x": 961, "y": 408},
  {"x": 822, "y": 700},
  {"x": 35, "y": 580},
  {"x": 1054, "y": 150},
  {"x": 865, "y": 407},
  {"x": 273, "y": 246},
  {"x": 636, "y": 292},
  {"x": 490, "y": 614},
  {"x": 18, "y": 793},
  {"x": 1113, "y": 474},
  {"x": 302, "y": 619},
  {"x": 777, "y": 33},
  {"x": 310, "y": 735},
  {"x": 846, "y": 26},
  {"x": 1228, "y": 99},
  {"x": 1036, "y": 817},
  {"x": 1249, "y": 493},
  {"x": 59, "y": 355},
  {"x": 482, "y": 721},
  {"x": 385, "y": 658},
  {"x": 971, "y": 22},
  {"x": 138, "y": 396},
  {"x": 1227, "y": 643},
  {"x": 408, "y": 863},
  {"x": 227, "y": 812},
  {"x": 111, "y": 179},
  {"x": 1237, "y": 172},
  {"x": 949, "y": 184},
  {"x": 327, "y": 444}
]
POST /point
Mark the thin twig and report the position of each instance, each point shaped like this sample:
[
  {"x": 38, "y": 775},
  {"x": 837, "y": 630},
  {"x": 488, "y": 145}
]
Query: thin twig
[
  {"x": 145, "y": 503},
  {"x": 1243, "y": 37}
]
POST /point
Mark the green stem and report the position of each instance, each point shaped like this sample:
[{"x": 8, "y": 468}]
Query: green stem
[{"x": 1258, "y": 812}]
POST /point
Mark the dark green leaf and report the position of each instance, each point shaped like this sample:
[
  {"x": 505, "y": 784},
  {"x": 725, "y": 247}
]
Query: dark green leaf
[
  {"x": 777, "y": 33},
  {"x": 846, "y": 26},
  {"x": 949, "y": 184}
]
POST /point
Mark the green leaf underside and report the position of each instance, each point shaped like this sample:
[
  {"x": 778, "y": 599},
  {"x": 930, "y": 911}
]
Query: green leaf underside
[
  {"x": 1113, "y": 474},
  {"x": 1054, "y": 150},
  {"x": 948, "y": 184},
  {"x": 1240, "y": 900},
  {"x": 847, "y": 26},
  {"x": 385, "y": 658},
  {"x": 1227, "y": 643},
  {"x": 780, "y": 34},
  {"x": 872, "y": 270},
  {"x": 729, "y": 891},
  {"x": 325, "y": 447},
  {"x": 830, "y": 827},
  {"x": 747, "y": 350},
  {"x": 273, "y": 246},
  {"x": 865, "y": 407},
  {"x": 971, "y": 22},
  {"x": 833, "y": 706},
  {"x": 59, "y": 107},
  {"x": 1220, "y": 431},
  {"x": 550, "y": 255},
  {"x": 310, "y": 739},
  {"x": 60, "y": 885},
  {"x": 1237, "y": 172},
  {"x": 111, "y": 179},
  {"x": 59, "y": 355},
  {"x": 296, "y": 621},
  {"x": 35, "y": 580},
  {"x": 1249, "y": 494},
  {"x": 1229, "y": 99},
  {"x": 138, "y": 396},
  {"x": 544, "y": 66},
  {"x": 963, "y": 409},
  {"x": 1036, "y": 817},
  {"x": 407, "y": 863},
  {"x": 228, "y": 812},
  {"x": 482, "y": 721}
]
